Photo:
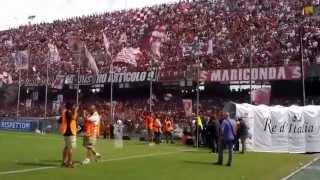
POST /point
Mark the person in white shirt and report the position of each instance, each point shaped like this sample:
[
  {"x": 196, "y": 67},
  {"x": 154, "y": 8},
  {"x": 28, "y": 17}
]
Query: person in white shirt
[{"x": 91, "y": 132}]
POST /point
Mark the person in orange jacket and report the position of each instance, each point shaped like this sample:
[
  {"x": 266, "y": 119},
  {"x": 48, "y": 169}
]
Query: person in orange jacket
[
  {"x": 168, "y": 129},
  {"x": 148, "y": 120},
  {"x": 157, "y": 130},
  {"x": 68, "y": 128}
]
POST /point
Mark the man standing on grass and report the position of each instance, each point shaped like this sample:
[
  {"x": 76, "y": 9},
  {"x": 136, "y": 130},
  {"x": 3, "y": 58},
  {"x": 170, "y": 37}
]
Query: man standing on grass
[
  {"x": 168, "y": 128},
  {"x": 242, "y": 134},
  {"x": 157, "y": 130},
  {"x": 148, "y": 120},
  {"x": 227, "y": 137},
  {"x": 91, "y": 132},
  {"x": 68, "y": 128}
]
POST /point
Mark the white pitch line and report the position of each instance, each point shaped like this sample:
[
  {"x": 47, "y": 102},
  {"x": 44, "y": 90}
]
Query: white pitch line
[
  {"x": 301, "y": 168},
  {"x": 102, "y": 161},
  {"x": 27, "y": 170},
  {"x": 140, "y": 156}
]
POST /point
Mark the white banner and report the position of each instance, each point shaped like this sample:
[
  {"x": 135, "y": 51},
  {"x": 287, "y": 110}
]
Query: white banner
[
  {"x": 28, "y": 103},
  {"x": 293, "y": 129},
  {"x": 187, "y": 105}
]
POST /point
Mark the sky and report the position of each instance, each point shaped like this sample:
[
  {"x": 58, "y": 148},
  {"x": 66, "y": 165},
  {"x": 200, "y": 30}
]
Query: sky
[{"x": 16, "y": 12}]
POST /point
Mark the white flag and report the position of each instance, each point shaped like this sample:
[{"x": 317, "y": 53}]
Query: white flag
[
  {"x": 53, "y": 53},
  {"x": 106, "y": 44},
  {"x": 187, "y": 105},
  {"x": 157, "y": 37},
  {"x": 91, "y": 62},
  {"x": 210, "y": 47},
  {"x": 123, "y": 38}
]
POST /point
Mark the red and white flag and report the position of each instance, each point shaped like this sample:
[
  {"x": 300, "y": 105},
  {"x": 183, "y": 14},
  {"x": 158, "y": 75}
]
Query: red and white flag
[
  {"x": 143, "y": 15},
  {"x": 106, "y": 43},
  {"x": 53, "y": 53},
  {"x": 6, "y": 78},
  {"x": 187, "y": 105},
  {"x": 156, "y": 39},
  {"x": 261, "y": 96},
  {"x": 123, "y": 38},
  {"x": 91, "y": 62},
  {"x": 58, "y": 82},
  {"x": 128, "y": 56},
  {"x": 210, "y": 47},
  {"x": 184, "y": 7}
]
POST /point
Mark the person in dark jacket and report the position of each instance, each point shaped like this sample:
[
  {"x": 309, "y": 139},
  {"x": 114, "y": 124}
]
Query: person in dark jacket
[
  {"x": 242, "y": 134},
  {"x": 213, "y": 128}
]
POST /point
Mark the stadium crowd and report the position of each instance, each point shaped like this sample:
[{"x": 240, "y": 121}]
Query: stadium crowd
[{"x": 225, "y": 29}]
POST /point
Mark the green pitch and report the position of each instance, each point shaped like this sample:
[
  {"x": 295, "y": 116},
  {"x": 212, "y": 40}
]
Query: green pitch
[{"x": 26, "y": 156}]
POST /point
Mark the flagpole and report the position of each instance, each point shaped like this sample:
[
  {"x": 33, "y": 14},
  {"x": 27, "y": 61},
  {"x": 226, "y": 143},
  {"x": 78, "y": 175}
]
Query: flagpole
[
  {"x": 250, "y": 64},
  {"x": 198, "y": 100},
  {"x": 150, "y": 89},
  {"x": 302, "y": 67},
  {"x": 78, "y": 77},
  {"x": 19, "y": 92},
  {"x": 47, "y": 82},
  {"x": 111, "y": 92}
]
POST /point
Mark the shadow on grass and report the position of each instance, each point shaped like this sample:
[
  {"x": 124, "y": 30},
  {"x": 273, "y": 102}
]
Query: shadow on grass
[
  {"x": 197, "y": 151},
  {"x": 198, "y": 162}
]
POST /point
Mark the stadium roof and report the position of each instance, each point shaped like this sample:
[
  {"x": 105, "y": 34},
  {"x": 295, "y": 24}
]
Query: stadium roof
[{"x": 17, "y": 12}]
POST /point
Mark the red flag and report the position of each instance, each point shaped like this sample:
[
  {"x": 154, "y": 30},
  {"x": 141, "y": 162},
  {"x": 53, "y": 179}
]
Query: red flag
[{"x": 261, "y": 96}]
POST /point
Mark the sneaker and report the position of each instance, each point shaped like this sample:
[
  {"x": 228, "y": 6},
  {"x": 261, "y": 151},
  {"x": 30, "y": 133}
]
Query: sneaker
[
  {"x": 97, "y": 157},
  {"x": 86, "y": 161},
  {"x": 70, "y": 165}
]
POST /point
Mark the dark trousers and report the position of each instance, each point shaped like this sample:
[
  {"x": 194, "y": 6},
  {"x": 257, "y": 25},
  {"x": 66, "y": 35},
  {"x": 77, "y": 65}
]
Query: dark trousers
[
  {"x": 157, "y": 137},
  {"x": 236, "y": 144},
  {"x": 243, "y": 143},
  {"x": 214, "y": 145},
  {"x": 241, "y": 139},
  {"x": 168, "y": 136},
  {"x": 229, "y": 146}
]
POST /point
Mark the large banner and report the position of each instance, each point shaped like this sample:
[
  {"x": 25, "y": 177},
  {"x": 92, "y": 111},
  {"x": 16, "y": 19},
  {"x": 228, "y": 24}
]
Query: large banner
[
  {"x": 293, "y": 129},
  {"x": 257, "y": 74},
  {"x": 107, "y": 78},
  {"x": 16, "y": 125}
]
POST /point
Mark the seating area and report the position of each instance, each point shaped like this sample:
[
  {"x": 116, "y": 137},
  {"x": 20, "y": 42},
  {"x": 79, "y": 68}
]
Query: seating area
[{"x": 221, "y": 30}]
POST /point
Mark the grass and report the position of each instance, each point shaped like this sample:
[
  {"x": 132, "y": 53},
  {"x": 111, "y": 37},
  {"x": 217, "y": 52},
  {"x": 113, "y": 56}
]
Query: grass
[{"x": 135, "y": 161}]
